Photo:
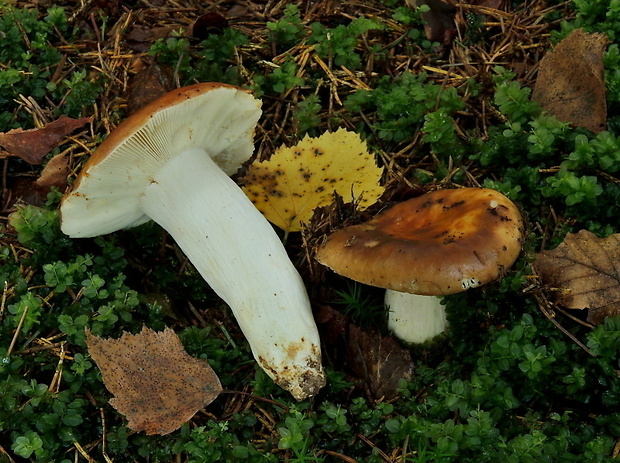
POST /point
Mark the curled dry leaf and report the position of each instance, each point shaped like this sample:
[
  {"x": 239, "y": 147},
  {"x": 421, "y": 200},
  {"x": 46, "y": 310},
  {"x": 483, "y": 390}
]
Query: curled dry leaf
[
  {"x": 155, "y": 383},
  {"x": 54, "y": 174},
  {"x": 375, "y": 362},
  {"x": 296, "y": 180},
  {"x": 439, "y": 24},
  {"x": 571, "y": 81},
  {"x": 439, "y": 20},
  {"x": 380, "y": 362},
  {"x": 584, "y": 273},
  {"x": 149, "y": 82},
  {"x": 207, "y": 24},
  {"x": 34, "y": 144},
  {"x": 141, "y": 37}
]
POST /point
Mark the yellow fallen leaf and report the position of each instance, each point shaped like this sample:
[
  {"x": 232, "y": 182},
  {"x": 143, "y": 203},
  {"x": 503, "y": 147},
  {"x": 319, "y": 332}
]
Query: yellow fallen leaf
[{"x": 298, "y": 179}]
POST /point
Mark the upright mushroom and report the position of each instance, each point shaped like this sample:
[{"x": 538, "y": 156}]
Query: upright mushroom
[
  {"x": 439, "y": 243},
  {"x": 170, "y": 162}
]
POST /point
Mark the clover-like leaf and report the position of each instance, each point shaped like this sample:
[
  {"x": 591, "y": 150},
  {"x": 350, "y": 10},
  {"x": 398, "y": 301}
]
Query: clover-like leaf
[
  {"x": 155, "y": 383},
  {"x": 584, "y": 273},
  {"x": 298, "y": 179}
]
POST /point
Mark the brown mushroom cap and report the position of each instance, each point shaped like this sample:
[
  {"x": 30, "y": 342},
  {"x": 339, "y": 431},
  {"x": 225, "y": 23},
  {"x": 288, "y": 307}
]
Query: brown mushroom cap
[{"x": 442, "y": 242}]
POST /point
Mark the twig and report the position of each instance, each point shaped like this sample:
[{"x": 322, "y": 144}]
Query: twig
[
  {"x": 544, "y": 305},
  {"x": 103, "y": 438},
  {"x": 17, "y": 330},
  {"x": 4, "y": 452},
  {"x": 339, "y": 456},
  {"x": 80, "y": 449},
  {"x": 55, "y": 383},
  {"x": 256, "y": 397},
  {"x": 3, "y": 301},
  {"x": 374, "y": 446}
]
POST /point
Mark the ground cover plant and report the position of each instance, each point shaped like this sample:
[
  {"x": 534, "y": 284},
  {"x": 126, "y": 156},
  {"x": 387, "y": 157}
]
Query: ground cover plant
[{"x": 516, "y": 378}]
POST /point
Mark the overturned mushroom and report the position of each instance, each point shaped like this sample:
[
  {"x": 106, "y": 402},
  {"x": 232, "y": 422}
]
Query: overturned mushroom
[
  {"x": 440, "y": 243},
  {"x": 170, "y": 162}
]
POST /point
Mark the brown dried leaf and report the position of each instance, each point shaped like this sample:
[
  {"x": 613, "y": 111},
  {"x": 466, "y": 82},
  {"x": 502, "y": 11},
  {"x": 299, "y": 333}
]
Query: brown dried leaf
[
  {"x": 584, "y": 273},
  {"x": 34, "y": 144},
  {"x": 439, "y": 24},
  {"x": 148, "y": 84},
  {"x": 141, "y": 37},
  {"x": 374, "y": 362},
  {"x": 54, "y": 174},
  {"x": 379, "y": 361},
  {"x": 571, "y": 81},
  {"x": 494, "y": 4},
  {"x": 207, "y": 24},
  {"x": 156, "y": 384}
]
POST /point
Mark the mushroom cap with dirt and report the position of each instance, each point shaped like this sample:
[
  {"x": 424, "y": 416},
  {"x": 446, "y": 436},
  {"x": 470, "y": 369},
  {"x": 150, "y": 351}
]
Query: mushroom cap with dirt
[
  {"x": 442, "y": 242},
  {"x": 170, "y": 162}
]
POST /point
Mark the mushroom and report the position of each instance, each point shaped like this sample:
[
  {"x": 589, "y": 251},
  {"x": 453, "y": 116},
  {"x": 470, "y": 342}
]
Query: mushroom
[
  {"x": 170, "y": 162},
  {"x": 439, "y": 243}
]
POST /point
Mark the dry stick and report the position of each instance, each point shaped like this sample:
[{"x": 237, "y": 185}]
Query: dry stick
[
  {"x": 103, "y": 438},
  {"x": 405, "y": 445},
  {"x": 6, "y": 193},
  {"x": 257, "y": 397},
  {"x": 55, "y": 383},
  {"x": 616, "y": 450},
  {"x": 17, "y": 330},
  {"x": 542, "y": 305},
  {"x": 83, "y": 452},
  {"x": 4, "y": 452},
  {"x": 35, "y": 349},
  {"x": 575, "y": 319},
  {"x": 340, "y": 456},
  {"x": 3, "y": 302},
  {"x": 383, "y": 455}
]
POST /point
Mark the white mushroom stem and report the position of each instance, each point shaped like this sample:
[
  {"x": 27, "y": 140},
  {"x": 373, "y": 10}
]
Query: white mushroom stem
[
  {"x": 239, "y": 254},
  {"x": 413, "y": 318}
]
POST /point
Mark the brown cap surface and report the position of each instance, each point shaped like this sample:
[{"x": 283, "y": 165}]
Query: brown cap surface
[{"x": 442, "y": 242}]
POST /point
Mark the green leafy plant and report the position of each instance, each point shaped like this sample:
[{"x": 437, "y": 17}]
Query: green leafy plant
[
  {"x": 282, "y": 78},
  {"x": 339, "y": 43},
  {"x": 574, "y": 189},
  {"x": 364, "y": 309},
  {"x": 307, "y": 114},
  {"x": 289, "y": 29},
  {"x": 601, "y": 152},
  {"x": 211, "y": 61},
  {"x": 175, "y": 50},
  {"x": 504, "y": 384},
  {"x": 29, "y": 62},
  {"x": 400, "y": 105},
  {"x": 215, "y": 57}
]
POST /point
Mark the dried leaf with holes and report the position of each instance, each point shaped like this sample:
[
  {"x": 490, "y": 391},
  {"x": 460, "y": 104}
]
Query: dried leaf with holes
[
  {"x": 571, "y": 81},
  {"x": 34, "y": 144},
  {"x": 155, "y": 383},
  {"x": 379, "y": 362},
  {"x": 583, "y": 273},
  {"x": 296, "y": 180}
]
